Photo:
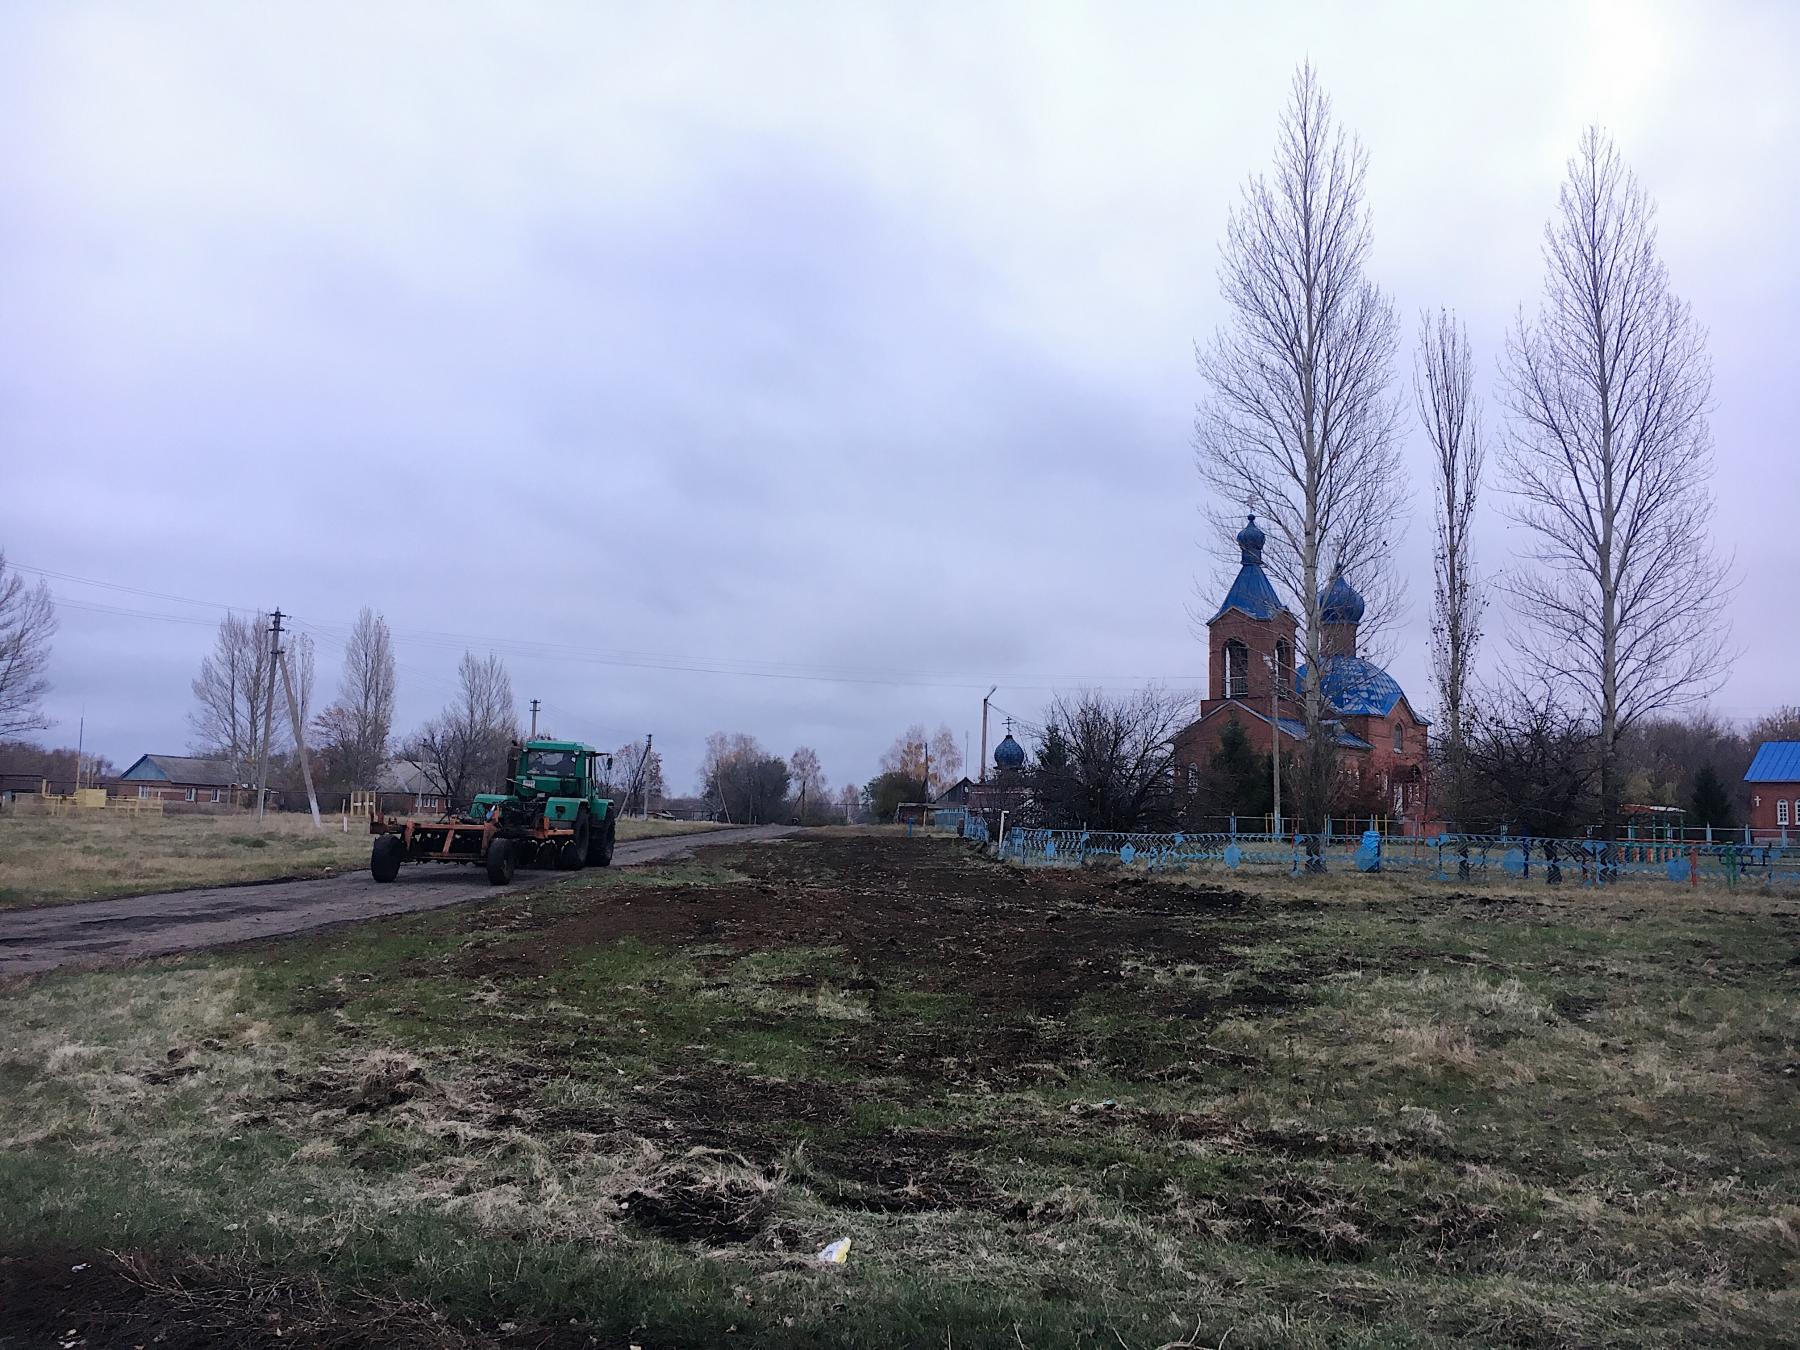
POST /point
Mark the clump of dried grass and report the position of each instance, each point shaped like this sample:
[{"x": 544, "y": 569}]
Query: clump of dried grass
[
  {"x": 1433, "y": 1048},
  {"x": 216, "y": 1301},
  {"x": 706, "y": 1195}
]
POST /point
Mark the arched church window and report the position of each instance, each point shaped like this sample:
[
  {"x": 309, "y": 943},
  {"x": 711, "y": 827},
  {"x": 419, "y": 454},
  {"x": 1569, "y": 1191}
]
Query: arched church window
[
  {"x": 1237, "y": 670},
  {"x": 1284, "y": 667},
  {"x": 1193, "y": 780},
  {"x": 1399, "y": 739}
]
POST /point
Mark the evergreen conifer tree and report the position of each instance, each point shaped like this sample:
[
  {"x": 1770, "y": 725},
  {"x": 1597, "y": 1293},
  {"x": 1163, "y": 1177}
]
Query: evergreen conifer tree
[{"x": 1712, "y": 803}]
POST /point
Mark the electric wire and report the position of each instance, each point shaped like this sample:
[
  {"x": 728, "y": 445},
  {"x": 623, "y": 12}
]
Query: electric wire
[{"x": 336, "y": 630}]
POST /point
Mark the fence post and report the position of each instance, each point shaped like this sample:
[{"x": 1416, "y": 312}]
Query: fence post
[{"x": 1693, "y": 868}]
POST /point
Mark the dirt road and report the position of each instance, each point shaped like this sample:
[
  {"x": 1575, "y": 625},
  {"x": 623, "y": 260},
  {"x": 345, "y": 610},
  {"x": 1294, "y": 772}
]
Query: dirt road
[{"x": 104, "y": 932}]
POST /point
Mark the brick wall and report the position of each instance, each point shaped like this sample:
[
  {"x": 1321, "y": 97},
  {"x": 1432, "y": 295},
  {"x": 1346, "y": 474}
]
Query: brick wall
[
  {"x": 1764, "y": 815},
  {"x": 1259, "y": 637}
]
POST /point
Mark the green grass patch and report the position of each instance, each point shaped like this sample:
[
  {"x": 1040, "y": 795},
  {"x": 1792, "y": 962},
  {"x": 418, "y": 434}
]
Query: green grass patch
[{"x": 642, "y": 1102}]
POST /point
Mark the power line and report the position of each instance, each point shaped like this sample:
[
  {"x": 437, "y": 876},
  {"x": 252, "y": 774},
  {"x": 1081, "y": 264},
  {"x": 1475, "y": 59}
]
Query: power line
[{"x": 567, "y": 653}]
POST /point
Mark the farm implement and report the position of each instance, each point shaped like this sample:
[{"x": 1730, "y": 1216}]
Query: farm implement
[{"x": 551, "y": 815}]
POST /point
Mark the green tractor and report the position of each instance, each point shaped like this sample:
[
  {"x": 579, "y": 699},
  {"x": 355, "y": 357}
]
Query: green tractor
[{"x": 551, "y": 815}]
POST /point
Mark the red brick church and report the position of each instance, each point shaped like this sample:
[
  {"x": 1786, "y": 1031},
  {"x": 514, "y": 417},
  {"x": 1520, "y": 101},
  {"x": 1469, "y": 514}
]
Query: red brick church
[{"x": 1251, "y": 679}]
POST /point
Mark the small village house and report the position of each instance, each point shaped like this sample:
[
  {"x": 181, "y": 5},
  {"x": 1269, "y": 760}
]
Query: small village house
[
  {"x": 405, "y": 787},
  {"x": 183, "y": 780}
]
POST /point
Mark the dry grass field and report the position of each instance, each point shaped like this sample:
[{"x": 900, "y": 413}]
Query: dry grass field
[
  {"x": 87, "y": 855},
  {"x": 1046, "y": 1108}
]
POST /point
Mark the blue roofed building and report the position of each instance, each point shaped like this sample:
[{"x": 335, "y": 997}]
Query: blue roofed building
[
  {"x": 1252, "y": 680},
  {"x": 1774, "y": 781}
]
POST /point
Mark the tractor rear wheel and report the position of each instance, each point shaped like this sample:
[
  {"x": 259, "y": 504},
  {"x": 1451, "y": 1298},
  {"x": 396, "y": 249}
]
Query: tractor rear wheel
[
  {"x": 386, "y": 856},
  {"x": 500, "y": 862},
  {"x": 600, "y": 844}
]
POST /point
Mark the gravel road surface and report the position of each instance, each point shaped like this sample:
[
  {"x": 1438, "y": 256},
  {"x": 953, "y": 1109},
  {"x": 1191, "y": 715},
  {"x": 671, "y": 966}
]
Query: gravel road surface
[{"x": 104, "y": 932}]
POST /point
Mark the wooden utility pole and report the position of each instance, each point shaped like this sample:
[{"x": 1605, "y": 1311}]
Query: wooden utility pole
[
  {"x": 262, "y": 754},
  {"x": 287, "y": 683}
]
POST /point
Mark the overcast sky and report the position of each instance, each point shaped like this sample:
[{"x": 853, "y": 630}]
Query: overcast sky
[{"x": 686, "y": 356}]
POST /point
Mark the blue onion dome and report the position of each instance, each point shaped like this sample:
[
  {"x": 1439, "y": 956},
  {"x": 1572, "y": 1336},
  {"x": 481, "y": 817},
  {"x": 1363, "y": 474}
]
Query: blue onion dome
[
  {"x": 1340, "y": 603},
  {"x": 1009, "y": 754},
  {"x": 1250, "y": 542}
]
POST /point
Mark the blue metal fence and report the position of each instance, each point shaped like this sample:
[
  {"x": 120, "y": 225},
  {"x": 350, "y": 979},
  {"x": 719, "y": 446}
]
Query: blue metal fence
[
  {"x": 1446, "y": 857},
  {"x": 969, "y": 824}
]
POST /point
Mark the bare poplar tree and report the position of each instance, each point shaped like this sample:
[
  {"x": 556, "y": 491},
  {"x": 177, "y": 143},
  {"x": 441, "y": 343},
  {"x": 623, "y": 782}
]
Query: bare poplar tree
[
  {"x": 1302, "y": 423},
  {"x": 27, "y": 623},
  {"x": 366, "y": 699},
  {"x": 1609, "y": 456},
  {"x": 231, "y": 691},
  {"x": 1444, "y": 387},
  {"x": 463, "y": 750}
]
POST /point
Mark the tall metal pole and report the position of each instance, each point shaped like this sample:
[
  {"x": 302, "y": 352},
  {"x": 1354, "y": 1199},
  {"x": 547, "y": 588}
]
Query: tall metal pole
[
  {"x": 984, "y": 711},
  {"x": 262, "y": 757},
  {"x": 534, "y": 713},
  {"x": 1275, "y": 731}
]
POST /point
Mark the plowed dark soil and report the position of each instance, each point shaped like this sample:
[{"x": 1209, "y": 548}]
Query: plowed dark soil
[{"x": 937, "y": 917}]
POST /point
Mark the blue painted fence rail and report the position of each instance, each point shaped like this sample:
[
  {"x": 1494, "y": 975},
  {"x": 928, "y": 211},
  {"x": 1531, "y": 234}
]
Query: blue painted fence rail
[{"x": 1448, "y": 857}]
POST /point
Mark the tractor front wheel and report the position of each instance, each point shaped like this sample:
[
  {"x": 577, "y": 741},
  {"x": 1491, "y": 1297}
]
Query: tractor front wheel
[
  {"x": 386, "y": 856},
  {"x": 600, "y": 844},
  {"x": 500, "y": 862},
  {"x": 575, "y": 853}
]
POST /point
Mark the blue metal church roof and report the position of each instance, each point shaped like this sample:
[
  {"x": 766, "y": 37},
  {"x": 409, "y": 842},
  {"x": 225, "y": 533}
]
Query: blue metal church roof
[
  {"x": 1252, "y": 594},
  {"x": 1356, "y": 687},
  {"x": 1775, "y": 762}
]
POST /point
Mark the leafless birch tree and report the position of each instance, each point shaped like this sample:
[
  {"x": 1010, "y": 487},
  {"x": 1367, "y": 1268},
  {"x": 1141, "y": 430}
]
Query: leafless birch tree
[
  {"x": 364, "y": 716},
  {"x": 27, "y": 622},
  {"x": 1609, "y": 458},
  {"x": 1301, "y": 423},
  {"x": 1444, "y": 387}
]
